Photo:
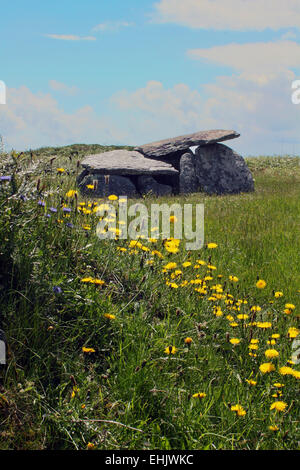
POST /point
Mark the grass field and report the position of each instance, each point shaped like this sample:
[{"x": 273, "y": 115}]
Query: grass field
[{"x": 115, "y": 346}]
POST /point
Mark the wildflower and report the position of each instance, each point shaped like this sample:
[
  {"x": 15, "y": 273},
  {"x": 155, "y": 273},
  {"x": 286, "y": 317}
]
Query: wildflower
[
  {"x": 293, "y": 332},
  {"x": 57, "y": 290},
  {"x": 264, "y": 324},
  {"x": 109, "y": 316},
  {"x": 66, "y": 209},
  {"x": 87, "y": 279},
  {"x": 238, "y": 409},
  {"x": 255, "y": 308},
  {"x": 72, "y": 193},
  {"x": 275, "y": 336},
  {"x": 290, "y": 306},
  {"x": 188, "y": 340},
  {"x": 173, "y": 219},
  {"x": 186, "y": 264},
  {"x": 251, "y": 382},
  {"x": 90, "y": 186},
  {"x": 253, "y": 347},
  {"x": 274, "y": 428},
  {"x": 261, "y": 284},
  {"x": 266, "y": 367},
  {"x": 278, "y": 406},
  {"x": 113, "y": 197},
  {"x": 278, "y": 385},
  {"x": 199, "y": 395},
  {"x": 286, "y": 370},
  {"x": 296, "y": 374},
  {"x": 90, "y": 446},
  {"x": 60, "y": 170},
  {"x": 271, "y": 353},
  {"x": 88, "y": 350},
  {"x": 278, "y": 294},
  {"x": 53, "y": 209},
  {"x": 211, "y": 246},
  {"x": 86, "y": 227},
  {"x": 233, "y": 279},
  {"x": 99, "y": 282},
  {"x": 242, "y": 316},
  {"x": 75, "y": 391},
  {"x": 234, "y": 341},
  {"x": 170, "y": 350},
  {"x": 170, "y": 266},
  {"x": 70, "y": 225},
  {"x": 41, "y": 203}
]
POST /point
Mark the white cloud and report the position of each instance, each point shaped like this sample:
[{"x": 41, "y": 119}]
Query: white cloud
[
  {"x": 112, "y": 26},
  {"x": 264, "y": 115},
  {"x": 70, "y": 37},
  {"x": 236, "y": 15},
  {"x": 63, "y": 88},
  {"x": 30, "y": 120},
  {"x": 260, "y": 60}
]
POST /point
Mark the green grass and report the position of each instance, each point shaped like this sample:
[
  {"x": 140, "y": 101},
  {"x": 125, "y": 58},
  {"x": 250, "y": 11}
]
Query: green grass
[{"x": 130, "y": 394}]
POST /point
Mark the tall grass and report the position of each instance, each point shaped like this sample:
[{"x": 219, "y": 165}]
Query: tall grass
[{"x": 126, "y": 390}]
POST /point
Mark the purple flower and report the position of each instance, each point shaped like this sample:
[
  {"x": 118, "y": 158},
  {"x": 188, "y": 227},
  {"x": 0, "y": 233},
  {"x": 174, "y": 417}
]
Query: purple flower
[
  {"x": 5, "y": 178},
  {"x": 70, "y": 225},
  {"x": 48, "y": 215},
  {"x": 57, "y": 290},
  {"x": 52, "y": 209},
  {"x": 41, "y": 203},
  {"x": 66, "y": 209}
]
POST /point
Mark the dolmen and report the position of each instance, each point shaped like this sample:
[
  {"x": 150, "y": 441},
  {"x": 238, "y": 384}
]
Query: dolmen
[{"x": 186, "y": 164}]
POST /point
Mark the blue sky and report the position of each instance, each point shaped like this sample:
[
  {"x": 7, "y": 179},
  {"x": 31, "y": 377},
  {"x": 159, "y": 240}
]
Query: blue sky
[{"x": 132, "y": 72}]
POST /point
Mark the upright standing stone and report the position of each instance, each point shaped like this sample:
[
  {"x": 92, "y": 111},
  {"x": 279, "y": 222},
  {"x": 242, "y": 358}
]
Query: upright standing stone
[
  {"x": 187, "y": 179},
  {"x": 220, "y": 170}
]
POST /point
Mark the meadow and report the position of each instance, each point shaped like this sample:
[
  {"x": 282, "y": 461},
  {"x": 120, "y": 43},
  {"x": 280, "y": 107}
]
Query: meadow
[{"x": 121, "y": 344}]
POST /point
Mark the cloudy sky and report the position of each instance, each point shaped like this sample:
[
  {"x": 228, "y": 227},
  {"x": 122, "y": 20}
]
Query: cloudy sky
[{"x": 130, "y": 72}]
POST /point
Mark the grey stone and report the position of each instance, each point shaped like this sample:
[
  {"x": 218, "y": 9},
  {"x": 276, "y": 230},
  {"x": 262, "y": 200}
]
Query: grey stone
[
  {"x": 105, "y": 185},
  {"x": 188, "y": 182},
  {"x": 182, "y": 143},
  {"x": 147, "y": 184},
  {"x": 125, "y": 162},
  {"x": 220, "y": 170}
]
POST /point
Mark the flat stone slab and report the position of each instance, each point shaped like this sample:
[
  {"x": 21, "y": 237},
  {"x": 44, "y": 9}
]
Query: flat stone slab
[
  {"x": 165, "y": 147},
  {"x": 125, "y": 162}
]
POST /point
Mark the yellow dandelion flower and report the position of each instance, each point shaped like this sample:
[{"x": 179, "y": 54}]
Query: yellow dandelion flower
[
  {"x": 234, "y": 341},
  {"x": 278, "y": 406},
  {"x": 278, "y": 294},
  {"x": 90, "y": 446},
  {"x": 255, "y": 308},
  {"x": 293, "y": 332},
  {"x": 261, "y": 284},
  {"x": 186, "y": 264},
  {"x": 274, "y": 428},
  {"x": 188, "y": 340},
  {"x": 286, "y": 370},
  {"x": 170, "y": 266},
  {"x": 87, "y": 350},
  {"x": 113, "y": 197},
  {"x": 264, "y": 324},
  {"x": 71, "y": 193},
  {"x": 170, "y": 350},
  {"x": 238, "y": 409},
  {"x": 290, "y": 306},
  {"x": 266, "y": 367},
  {"x": 109, "y": 316},
  {"x": 173, "y": 219},
  {"x": 211, "y": 246},
  {"x": 251, "y": 382},
  {"x": 233, "y": 279},
  {"x": 199, "y": 395},
  {"x": 60, "y": 170},
  {"x": 271, "y": 353}
]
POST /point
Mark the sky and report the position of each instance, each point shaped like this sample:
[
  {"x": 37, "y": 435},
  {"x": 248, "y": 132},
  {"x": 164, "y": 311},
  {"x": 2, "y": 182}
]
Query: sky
[{"x": 136, "y": 71}]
